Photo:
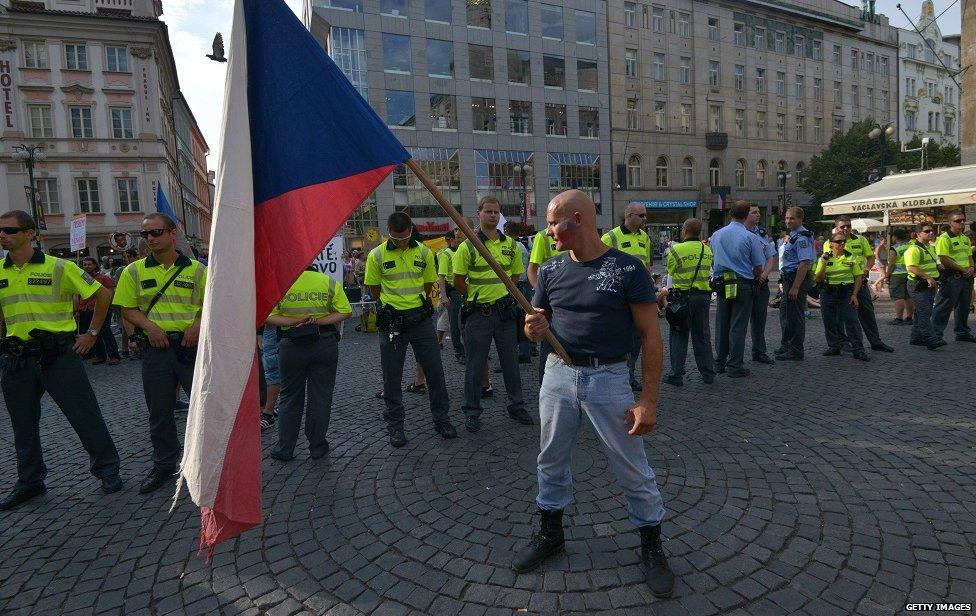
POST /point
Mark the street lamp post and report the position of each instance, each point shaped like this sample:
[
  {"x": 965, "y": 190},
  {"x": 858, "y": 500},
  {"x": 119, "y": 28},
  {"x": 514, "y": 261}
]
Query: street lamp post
[
  {"x": 782, "y": 176},
  {"x": 29, "y": 154},
  {"x": 881, "y": 133},
  {"x": 524, "y": 170}
]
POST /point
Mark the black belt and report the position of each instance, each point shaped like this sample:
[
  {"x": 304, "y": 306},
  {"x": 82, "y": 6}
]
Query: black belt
[
  {"x": 694, "y": 291},
  {"x": 592, "y": 361},
  {"x": 839, "y": 286},
  {"x": 54, "y": 342}
]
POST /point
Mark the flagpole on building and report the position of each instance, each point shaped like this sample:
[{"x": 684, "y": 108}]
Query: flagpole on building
[{"x": 465, "y": 228}]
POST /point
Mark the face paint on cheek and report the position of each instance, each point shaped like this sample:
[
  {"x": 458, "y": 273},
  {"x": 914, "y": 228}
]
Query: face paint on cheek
[{"x": 565, "y": 230}]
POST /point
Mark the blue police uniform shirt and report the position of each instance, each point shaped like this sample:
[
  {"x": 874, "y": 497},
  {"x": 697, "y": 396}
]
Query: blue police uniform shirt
[
  {"x": 769, "y": 251},
  {"x": 590, "y": 302},
  {"x": 736, "y": 249},
  {"x": 798, "y": 248}
]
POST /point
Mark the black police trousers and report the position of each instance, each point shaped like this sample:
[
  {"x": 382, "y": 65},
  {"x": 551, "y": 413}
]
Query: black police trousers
[
  {"x": 306, "y": 368},
  {"x": 393, "y": 353},
  {"x": 840, "y": 320},
  {"x": 65, "y": 380},
  {"x": 161, "y": 373}
]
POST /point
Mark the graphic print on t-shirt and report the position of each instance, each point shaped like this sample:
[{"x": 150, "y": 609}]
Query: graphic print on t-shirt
[{"x": 611, "y": 276}]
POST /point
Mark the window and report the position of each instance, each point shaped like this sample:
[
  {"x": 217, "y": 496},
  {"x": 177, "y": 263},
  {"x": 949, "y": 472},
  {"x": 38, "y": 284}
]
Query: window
[
  {"x": 781, "y": 126},
  {"x": 760, "y": 38},
  {"x": 400, "y": 111},
  {"x": 740, "y": 123},
  {"x": 552, "y": 21},
  {"x": 740, "y": 173},
  {"x": 715, "y": 118},
  {"x": 661, "y": 172},
  {"x": 912, "y": 51},
  {"x": 910, "y": 85},
  {"x": 116, "y": 59},
  {"x": 128, "y": 189},
  {"x": 586, "y": 76},
  {"x": 585, "y": 28},
  {"x": 634, "y": 171},
  {"x": 684, "y": 24},
  {"x": 780, "y": 83},
  {"x": 437, "y": 10},
  {"x": 929, "y": 51},
  {"x": 779, "y": 42},
  {"x": 630, "y": 62},
  {"x": 817, "y": 130},
  {"x": 633, "y": 115},
  {"x": 884, "y": 66},
  {"x": 39, "y": 120},
  {"x": 800, "y": 168},
  {"x": 837, "y": 126},
  {"x": 837, "y": 93},
  {"x": 520, "y": 113},
  {"x": 818, "y": 88},
  {"x": 88, "y": 201},
  {"x": 799, "y": 87},
  {"x": 798, "y": 44},
  {"x": 855, "y": 97},
  {"x": 910, "y": 120},
  {"x": 740, "y": 77},
  {"x": 660, "y": 116},
  {"x": 713, "y": 28},
  {"x": 949, "y": 126},
  {"x": 122, "y": 123},
  {"x": 35, "y": 54},
  {"x": 348, "y": 49},
  {"x": 761, "y": 174},
  {"x": 870, "y": 62},
  {"x": 75, "y": 57},
  {"x": 47, "y": 193},
  {"x": 854, "y": 56},
  {"x": 684, "y": 70},
  {"x": 517, "y": 16},
  {"x": 396, "y": 53},
  {"x": 483, "y": 115},
  {"x": 481, "y": 62},
  {"x": 931, "y": 89},
  {"x": 870, "y": 93},
  {"x": 837, "y": 54},
  {"x": 714, "y": 173},
  {"x": 713, "y": 73},
  {"x": 555, "y": 120},
  {"x": 760, "y": 125},
  {"x": 443, "y": 112},
  {"x": 686, "y": 117},
  {"x": 761, "y": 80},
  {"x": 931, "y": 117},
  {"x": 739, "y": 34},
  {"x": 554, "y": 72},
  {"x": 688, "y": 172},
  {"x": 409, "y": 195},
  {"x": 657, "y": 19},
  {"x": 800, "y": 129},
  {"x": 519, "y": 67},
  {"x": 659, "y": 73},
  {"x": 81, "y": 122},
  {"x": 589, "y": 122},
  {"x": 344, "y": 5},
  {"x": 479, "y": 14},
  {"x": 394, "y": 8},
  {"x": 440, "y": 58},
  {"x": 630, "y": 14},
  {"x": 818, "y": 50}
]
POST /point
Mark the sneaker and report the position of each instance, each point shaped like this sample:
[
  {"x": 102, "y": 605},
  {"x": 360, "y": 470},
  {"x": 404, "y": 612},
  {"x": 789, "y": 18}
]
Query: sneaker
[{"x": 268, "y": 421}]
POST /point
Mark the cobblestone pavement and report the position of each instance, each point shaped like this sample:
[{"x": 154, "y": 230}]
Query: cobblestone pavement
[{"x": 827, "y": 487}]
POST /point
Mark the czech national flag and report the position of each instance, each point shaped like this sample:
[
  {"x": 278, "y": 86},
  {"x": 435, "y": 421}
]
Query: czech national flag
[{"x": 300, "y": 151}]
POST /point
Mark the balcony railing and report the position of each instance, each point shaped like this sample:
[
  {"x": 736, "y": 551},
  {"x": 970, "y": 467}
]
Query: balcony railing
[{"x": 114, "y": 5}]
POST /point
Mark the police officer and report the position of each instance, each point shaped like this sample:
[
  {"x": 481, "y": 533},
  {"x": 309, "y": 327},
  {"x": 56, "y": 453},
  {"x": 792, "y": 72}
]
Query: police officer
[
  {"x": 798, "y": 258},
  {"x": 630, "y": 238},
  {"x": 840, "y": 274},
  {"x": 400, "y": 274},
  {"x": 40, "y": 353},
  {"x": 451, "y": 299},
  {"x": 489, "y": 314},
  {"x": 738, "y": 262},
  {"x": 760, "y": 298},
  {"x": 308, "y": 356},
  {"x": 897, "y": 277},
  {"x": 922, "y": 263},
  {"x": 955, "y": 252},
  {"x": 162, "y": 296},
  {"x": 860, "y": 247},
  {"x": 689, "y": 263}
]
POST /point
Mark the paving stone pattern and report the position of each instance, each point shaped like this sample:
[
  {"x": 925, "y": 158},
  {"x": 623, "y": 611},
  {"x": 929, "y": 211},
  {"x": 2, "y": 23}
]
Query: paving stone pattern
[{"x": 825, "y": 487}]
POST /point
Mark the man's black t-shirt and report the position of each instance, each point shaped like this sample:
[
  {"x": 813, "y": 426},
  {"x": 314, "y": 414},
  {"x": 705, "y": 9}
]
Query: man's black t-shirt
[{"x": 590, "y": 302}]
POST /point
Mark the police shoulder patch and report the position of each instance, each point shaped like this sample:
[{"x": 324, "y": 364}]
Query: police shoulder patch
[
  {"x": 87, "y": 278},
  {"x": 802, "y": 242}
]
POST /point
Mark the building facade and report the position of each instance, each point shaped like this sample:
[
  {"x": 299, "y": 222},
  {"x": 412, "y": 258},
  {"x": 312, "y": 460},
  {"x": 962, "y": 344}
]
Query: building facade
[
  {"x": 929, "y": 86},
  {"x": 712, "y": 98},
  {"x": 486, "y": 95},
  {"x": 92, "y": 84},
  {"x": 193, "y": 203}
]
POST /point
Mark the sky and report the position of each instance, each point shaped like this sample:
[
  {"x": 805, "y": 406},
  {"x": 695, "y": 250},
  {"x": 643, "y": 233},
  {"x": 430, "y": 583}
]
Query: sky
[{"x": 193, "y": 23}]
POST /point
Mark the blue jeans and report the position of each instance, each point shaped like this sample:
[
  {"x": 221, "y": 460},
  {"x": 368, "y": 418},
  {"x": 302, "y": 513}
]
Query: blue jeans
[{"x": 604, "y": 394}]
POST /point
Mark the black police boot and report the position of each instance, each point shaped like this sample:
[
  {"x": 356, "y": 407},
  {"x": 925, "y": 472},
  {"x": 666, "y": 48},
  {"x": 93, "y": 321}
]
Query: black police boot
[
  {"x": 446, "y": 430},
  {"x": 881, "y": 346},
  {"x": 861, "y": 355},
  {"x": 830, "y": 352},
  {"x": 548, "y": 541},
  {"x": 156, "y": 479},
  {"x": 673, "y": 379},
  {"x": 398, "y": 438},
  {"x": 20, "y": 496},
  {"x": 521, "y": 416},
  {"x": 111, "y": 485},
  {"x": 472, "y": 424},
  {"x": 657, "y": 573}
]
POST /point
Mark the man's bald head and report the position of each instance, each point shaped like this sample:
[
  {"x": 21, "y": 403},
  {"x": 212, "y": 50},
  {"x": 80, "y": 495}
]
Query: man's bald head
[
  {"x": 634, "y": 216},
  {"x": 568, "y": 203},
  {"x": 691, "y": 229}
]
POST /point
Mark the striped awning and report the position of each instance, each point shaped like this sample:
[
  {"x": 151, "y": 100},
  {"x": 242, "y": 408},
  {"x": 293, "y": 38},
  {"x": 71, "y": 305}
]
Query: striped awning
[{"x": 952, "y": 186}]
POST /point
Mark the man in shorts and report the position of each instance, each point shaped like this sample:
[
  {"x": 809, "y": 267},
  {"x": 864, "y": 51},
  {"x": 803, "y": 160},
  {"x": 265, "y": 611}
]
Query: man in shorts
[{"x": 897, "y": 276}]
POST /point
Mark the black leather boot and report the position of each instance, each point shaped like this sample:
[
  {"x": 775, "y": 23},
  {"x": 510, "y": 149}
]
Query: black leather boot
[
  {"x": 657, "y": 573},
  {"x": 548, "y": 541}
]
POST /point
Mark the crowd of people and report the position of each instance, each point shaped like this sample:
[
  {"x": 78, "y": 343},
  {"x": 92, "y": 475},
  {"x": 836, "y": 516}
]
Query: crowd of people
[{"x": 595, "y": 294}]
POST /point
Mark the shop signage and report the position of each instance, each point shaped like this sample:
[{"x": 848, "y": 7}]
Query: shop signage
[{"x": 665, "y": 204}]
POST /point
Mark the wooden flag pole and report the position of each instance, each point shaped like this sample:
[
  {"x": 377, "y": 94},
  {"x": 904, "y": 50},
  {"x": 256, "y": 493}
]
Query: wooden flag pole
[{"x": 506, "y": 278}]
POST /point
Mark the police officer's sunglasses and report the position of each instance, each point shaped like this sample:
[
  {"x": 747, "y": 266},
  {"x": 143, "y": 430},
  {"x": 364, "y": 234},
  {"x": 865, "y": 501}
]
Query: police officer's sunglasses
[
  {"x": 12, "y": 230},
  {"x": 961, "y": 221},
  {"x": 153, "y": 232}
]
